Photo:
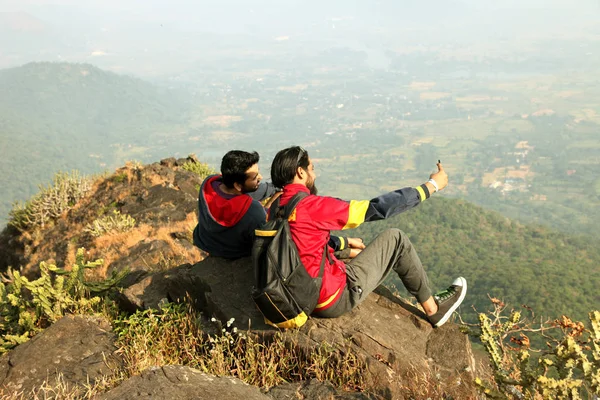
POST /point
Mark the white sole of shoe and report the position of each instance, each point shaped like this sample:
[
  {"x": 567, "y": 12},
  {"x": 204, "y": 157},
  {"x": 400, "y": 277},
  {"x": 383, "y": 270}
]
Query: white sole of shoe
[{"x": 460, "y": 281}]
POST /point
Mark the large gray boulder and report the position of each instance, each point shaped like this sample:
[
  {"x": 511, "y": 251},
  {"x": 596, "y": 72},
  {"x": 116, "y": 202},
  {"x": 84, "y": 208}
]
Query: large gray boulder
[
  {"x": 391, "y": 337},
  {"x": 314, "y": 390},
  {"x": 175, "y": 382},
  {"x": 79, "y": 349}
]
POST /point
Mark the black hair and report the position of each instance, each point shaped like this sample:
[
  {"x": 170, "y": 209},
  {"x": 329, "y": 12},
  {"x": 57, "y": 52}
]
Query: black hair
[
  {"x": 286, "y": 163},
  {"x": 234, "y": 166}
]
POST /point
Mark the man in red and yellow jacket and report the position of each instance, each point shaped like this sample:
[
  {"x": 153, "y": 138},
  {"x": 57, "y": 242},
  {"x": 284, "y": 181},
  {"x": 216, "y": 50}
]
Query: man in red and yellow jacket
[{"x": 345, "y": 285}]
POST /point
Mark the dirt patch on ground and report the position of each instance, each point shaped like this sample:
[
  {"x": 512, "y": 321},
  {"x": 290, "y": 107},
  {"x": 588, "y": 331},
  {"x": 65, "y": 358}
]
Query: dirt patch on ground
[
  {"x": 222, "y": 120},
  {"x": 434, "y": 95},
  {"x": 499, "y": 175},
  {"x": 420, "y": 86},
  {"x": 293, "y": 89}
]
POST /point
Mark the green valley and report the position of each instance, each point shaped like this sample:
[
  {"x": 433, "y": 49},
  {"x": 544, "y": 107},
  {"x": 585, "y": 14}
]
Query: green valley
[{"x": 550, "y": 272}]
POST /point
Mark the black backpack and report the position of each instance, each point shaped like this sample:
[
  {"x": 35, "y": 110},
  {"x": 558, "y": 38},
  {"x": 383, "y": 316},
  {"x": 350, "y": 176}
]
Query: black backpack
[{"x": 284, "y": 292}]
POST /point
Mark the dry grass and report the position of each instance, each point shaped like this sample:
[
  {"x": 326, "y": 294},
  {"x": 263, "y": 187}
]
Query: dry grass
[
  {"x": 175, "y": 336},
  {"x": 58, "y": 247},
  {"x": 57, "y": 388},
  {"x": 112, "y": 247}
]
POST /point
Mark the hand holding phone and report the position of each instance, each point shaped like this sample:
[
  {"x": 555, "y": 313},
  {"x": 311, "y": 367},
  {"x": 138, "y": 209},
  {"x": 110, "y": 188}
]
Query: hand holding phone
[{"x": 440, "y": 177}]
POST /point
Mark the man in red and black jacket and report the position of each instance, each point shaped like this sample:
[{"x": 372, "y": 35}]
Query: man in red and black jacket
[
  {"x": 345, "y": 285},
  {"x": 229, "y": 208}
]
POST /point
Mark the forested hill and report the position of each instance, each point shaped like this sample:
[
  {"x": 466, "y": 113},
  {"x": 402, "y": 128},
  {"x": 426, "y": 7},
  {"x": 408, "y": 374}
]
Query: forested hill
[
  {"x": 59, "y": 116},
  {"x": 552, "y": 273}
]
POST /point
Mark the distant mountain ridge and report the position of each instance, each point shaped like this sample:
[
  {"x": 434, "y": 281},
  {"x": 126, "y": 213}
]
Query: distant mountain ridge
[{"x": 59, "y": 115}]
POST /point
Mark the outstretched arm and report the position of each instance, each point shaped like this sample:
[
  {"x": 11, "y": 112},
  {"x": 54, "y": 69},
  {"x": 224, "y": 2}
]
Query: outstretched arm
[
  {"x": 336, "y": 214},
  {"x": 392, "y": 203}
]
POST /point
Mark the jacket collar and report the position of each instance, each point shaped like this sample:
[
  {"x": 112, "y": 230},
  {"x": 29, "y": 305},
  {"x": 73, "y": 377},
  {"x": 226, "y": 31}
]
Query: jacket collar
[{"x": 290, "y": 190}]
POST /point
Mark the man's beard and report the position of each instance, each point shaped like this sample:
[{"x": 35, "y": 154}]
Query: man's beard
[
  {"x": 249, "y": 189},
  {"x": 312, "y": 187}
]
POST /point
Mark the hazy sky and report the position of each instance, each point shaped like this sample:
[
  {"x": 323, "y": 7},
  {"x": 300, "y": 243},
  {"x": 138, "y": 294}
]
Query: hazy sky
[
  {"x": 186, "y": 9},
  {"x": 75, "y": 29}
]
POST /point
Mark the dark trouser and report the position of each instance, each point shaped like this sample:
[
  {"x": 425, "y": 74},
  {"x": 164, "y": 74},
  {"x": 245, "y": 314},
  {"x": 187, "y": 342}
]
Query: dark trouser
[{"x": 391, "y": 250}]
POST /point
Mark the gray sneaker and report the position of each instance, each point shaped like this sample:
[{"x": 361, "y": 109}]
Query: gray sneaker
[{"x": 448, "y": 300}]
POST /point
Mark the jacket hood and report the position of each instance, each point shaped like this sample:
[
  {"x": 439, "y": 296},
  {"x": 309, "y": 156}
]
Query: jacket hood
[{"x": 226, "y": 212}]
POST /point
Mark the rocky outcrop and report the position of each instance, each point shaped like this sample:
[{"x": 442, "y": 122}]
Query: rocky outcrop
[
  {"x": 161, "y": 197},
  {"x": 176, "y": 382},
  {"x": 390, "y": 336},
  {"x": 314, "y": 390},
  {"x": 79, "y": 349}
]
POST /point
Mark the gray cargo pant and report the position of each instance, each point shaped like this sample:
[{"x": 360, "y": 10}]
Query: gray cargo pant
[{"x": 391, "y": 250}]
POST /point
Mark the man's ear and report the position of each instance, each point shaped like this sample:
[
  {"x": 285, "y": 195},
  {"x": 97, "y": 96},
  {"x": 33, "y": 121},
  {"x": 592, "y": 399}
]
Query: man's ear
[
  {"x": 300, "y": 172},
  {"x": 238, "y": 187}
]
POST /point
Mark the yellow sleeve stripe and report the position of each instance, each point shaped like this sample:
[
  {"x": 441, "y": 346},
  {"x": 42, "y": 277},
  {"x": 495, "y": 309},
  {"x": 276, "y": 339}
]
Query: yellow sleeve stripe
[
  {"x": 356, "y": 213},
  {"x": 421, "y": 193},
  {"x": 342, "y": 243},
  {"x": 259, "y": 232}
]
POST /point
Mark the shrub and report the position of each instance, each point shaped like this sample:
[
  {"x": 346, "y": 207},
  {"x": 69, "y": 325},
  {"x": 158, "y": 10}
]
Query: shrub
[
  {"x": 51, "y": 202},
  {"x": 27, "y": 307},
  {"x": 116, "y": 222},
  {"x": 569, "y": 368},
  {"x": 119, "y": 178},
  {"x": 201, "y": 169}
]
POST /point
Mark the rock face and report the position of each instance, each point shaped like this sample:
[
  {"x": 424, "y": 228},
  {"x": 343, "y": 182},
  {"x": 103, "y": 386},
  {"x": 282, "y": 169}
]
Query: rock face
[
  {"x": 391, "y": 337},
  {"x": 161, "y": 197},
  {"x": 80, "y": 349},
  {"x": 176, "y": 382},
  {"x": 314, "y": 390}
]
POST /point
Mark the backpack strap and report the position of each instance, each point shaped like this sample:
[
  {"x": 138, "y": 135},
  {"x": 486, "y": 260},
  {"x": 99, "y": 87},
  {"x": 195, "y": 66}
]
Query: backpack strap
[
  {"x": 273, "y": 210},
  {"x": 286, "y": 211},
  {"x": 289, "y": 208}
]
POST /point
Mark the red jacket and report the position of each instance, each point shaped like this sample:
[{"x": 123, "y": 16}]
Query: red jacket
[{"x": 315, "y": 216}]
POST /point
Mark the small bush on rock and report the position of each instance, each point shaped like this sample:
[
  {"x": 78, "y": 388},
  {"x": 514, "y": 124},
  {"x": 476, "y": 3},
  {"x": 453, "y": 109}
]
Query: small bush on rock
[
  {"x": 115, "y": 222},
  {"x": 201, "y": 169},
  {"x": 568, "y": 368},
  {"x": 51, "y": 202},
  {"x": 29, "y": 306}
]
